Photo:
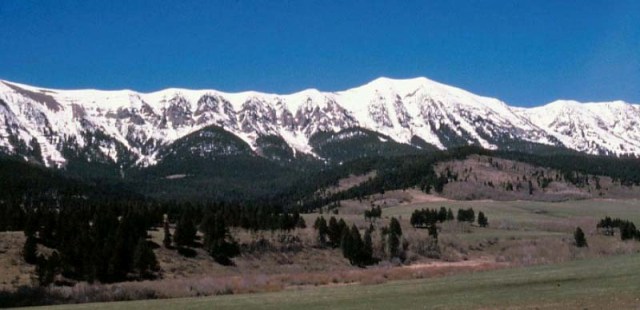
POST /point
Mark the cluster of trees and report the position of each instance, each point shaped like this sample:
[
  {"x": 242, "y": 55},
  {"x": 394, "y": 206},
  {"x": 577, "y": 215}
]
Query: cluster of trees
[
  {"x": 218, "y": 241},
  {"x": 109, "y": 243},
  {"x": 214, "y": 221},
  {"x": 466, "y": 215},
  {"x": 393, "y": 236},
  {"x": 261, "y": 217},
  {"x": 249, "y": 217},
  {"x": 90, "y": 243},
  {"x": 330, "y": 234},
  {"x": 627, "y": 229},
  {"x": 12, "y": 216},
  {"x": 374, "y": 213},
  {"x": 358, "y": 250},
  {"x": 427, "y": 217}
]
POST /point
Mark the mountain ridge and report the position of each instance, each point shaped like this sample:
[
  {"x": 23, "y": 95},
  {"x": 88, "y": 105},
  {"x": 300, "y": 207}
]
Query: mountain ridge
[{"x": 130, "y": 128}]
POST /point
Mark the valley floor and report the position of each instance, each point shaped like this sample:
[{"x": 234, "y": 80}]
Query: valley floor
[{"x": 526, "y": 258}]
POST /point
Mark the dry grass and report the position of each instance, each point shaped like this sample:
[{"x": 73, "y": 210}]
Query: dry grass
[
  {"x": 476, "y": 172},
  {"x": 15, "y": 272}
]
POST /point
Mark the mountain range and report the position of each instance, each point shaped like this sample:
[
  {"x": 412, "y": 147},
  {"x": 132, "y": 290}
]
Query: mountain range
[{"x": 129, "y": 129}]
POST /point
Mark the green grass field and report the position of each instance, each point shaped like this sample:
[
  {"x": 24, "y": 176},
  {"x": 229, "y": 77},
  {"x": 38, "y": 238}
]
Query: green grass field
[{"x": 612, "y": 283}]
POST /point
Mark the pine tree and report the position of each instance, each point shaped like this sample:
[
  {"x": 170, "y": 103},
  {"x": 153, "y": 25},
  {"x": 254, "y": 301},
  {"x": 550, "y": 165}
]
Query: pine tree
[
  {"x": 450, "y": 215},
  {"x": 394, "y": 245},
  {"x": 393, "y": 240},
  {"x": 334, "y": 232},
  {"x": 217, "y": 239},
  {"x": 471, "y": 215},
  {"x": 627, "y": 230},
  {"x": 47, "y": 268},
  {"x": 321, "y": 226},
  {"x": 144, "y": 260},
  {"x": 433, "y": 231},
  {"x": 530, "y": 188},
  {"x": 367, "y": 250},
  {"x": 394, "y": 227},
  {"x": 579, "y": 237},
  {"x": 167, "y": 236},
  {"x": 461, "y": 215},
  {"x": 300, "y": 223},
  {"x": 346, "y": 245},
  {"x": 482, "y": 220},
  {"x": 185, "y": 232},
  {"x": 29, "y": 250},
  {"x": 442, "y": 214},
  {"x": 41, "y": 272}
]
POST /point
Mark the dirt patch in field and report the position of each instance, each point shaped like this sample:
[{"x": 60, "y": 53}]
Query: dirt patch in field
[{"x": 481, "y": 262}]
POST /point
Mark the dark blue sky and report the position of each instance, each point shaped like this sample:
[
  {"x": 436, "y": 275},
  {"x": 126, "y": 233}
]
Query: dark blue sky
[{"x": 523, "y": 52}]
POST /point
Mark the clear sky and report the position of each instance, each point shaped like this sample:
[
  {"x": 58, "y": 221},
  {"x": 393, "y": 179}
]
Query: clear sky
[{"x": 523, "y": 52}]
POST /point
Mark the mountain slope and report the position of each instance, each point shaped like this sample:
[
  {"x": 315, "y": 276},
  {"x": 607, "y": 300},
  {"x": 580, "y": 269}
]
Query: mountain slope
[
  {"x": 126, "y": 129},
  {"x": 608, "y": 128}
]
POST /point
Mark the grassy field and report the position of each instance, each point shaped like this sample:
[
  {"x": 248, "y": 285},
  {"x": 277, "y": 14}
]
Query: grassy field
[
  {"x": 531, "y": 212},
  {"x": 612, "y": 282},
  {"x": 533, "y": 239}
]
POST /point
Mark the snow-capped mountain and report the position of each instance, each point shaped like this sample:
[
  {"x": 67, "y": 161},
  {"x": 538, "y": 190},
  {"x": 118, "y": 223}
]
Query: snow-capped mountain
[
  {"x": 595, "y": 128},
  {"x": 138, "y": 129}
]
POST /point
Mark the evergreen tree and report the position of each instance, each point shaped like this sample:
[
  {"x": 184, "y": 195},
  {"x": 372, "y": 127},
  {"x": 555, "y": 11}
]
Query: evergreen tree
[
  {"x": 433, "y": 231},
  {"x": 321, "y": 226},
  {"x": 579, "y": 237},
  {"x": 217, "y": 239},
  {"x": 29, "y": 250},
  {"x": 346, "y": 245},
  {"x": 166, "y": 241},
  {"x": 357, "y": 246},
  {"x": 482, "y": 220},
  {"x": 530, "y": 188},
  {"x": 41, "y": 272},
  {"x": 627, "y": 230},
  {"x": 367, "y": 250},
  {"x": 393, "y": 239},
  {"x": 185, "y": 232},
  {"x": 450, "y": 215},
  {"x": 47, "y": 268},
  {"x": 394, "y": 227},
  {"x": 300, "y": 223},
  {"x": 471, "y": 215},
  {"x": 334, "y": 232},
  {"x": 144, "y": 260},
  {"x": 442, "y": 214},
  {"x": 120, "y": 262}
]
